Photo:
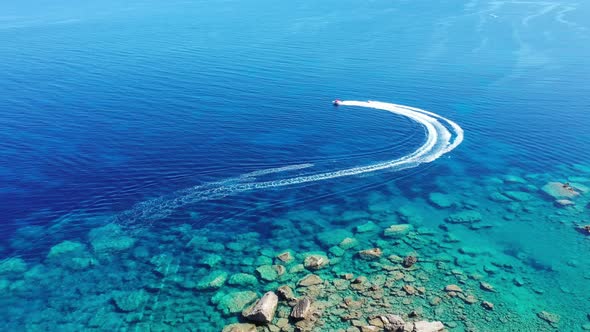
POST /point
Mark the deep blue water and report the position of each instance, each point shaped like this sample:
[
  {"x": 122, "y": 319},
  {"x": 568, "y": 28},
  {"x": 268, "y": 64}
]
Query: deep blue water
[{"x": 108, "y": 105}]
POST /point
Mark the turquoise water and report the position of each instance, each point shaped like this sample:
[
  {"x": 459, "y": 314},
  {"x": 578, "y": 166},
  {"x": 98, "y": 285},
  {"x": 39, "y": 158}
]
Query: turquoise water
[{"x": 130, "y": 134}]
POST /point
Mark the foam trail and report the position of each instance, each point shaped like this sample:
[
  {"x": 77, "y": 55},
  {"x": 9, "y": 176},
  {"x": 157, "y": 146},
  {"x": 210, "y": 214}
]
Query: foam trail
[
  {"x": 275, "y": 170},
  {"x": 439, "y": 141}
]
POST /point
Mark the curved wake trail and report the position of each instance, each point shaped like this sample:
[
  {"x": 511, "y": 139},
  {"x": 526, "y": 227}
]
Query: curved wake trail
[{"x": 439, "y": 141}]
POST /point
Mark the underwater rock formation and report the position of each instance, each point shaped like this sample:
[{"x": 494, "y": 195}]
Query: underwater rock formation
[
  {"x": 242, "y": 279},
  {"x": 440, "y": 200},
  {"x": 13, "y": 265},
  {"x": 549, "y": 317},
  {"x": 392, "y": 323},
  {"x": 310, "y": 280},
  {"x": 285, "y": 257},
  {"x": 267, "y": 272},
  {"x": 424, "y": 326},
  {"x": 130, "y": 301},
  {"x": 315, "y": 262},
  {"x": 370, "y": 254},
  {"x": 409, "y": 261},
  {"x": 487, "y": 305},
  {"x": 564, "y": 202},
  {"x": 240, "y": 327},
  {"x": 559, "y": 190},
  {"x": 109, "y": 239},
  {"x": 214, "y": 280},
  {"x": 348, "y": 243},
  {"x": 397, "y": 231},
  {"x": 234, "y": 302},
  {"x": 464, "y": 217}
]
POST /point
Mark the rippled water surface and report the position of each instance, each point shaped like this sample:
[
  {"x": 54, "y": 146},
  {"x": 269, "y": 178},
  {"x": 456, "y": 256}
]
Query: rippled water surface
[{"x": 129, "y": 131}]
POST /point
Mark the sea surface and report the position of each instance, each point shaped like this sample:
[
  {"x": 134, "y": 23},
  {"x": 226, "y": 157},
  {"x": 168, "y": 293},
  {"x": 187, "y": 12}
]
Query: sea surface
[{"x": 133, "y": 134}]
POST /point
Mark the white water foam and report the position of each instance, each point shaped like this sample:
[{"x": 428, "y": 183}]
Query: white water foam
[{"x": 439, "y": 141}]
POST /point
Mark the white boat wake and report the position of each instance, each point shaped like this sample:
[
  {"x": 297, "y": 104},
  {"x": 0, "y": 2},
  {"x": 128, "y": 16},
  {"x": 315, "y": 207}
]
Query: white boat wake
[{"x": 443, "y": 135}]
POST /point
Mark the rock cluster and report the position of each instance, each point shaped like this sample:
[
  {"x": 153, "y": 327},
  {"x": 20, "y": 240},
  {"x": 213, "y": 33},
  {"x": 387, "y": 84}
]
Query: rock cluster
[{"x": 361, "y": 277}]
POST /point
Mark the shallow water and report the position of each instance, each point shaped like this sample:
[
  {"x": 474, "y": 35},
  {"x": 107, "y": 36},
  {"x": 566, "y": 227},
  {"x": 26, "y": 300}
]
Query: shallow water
[{"x": 116, "y": 118}]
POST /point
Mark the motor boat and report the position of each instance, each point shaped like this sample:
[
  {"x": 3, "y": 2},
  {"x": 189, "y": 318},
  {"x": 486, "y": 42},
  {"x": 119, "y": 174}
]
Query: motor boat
[{"x": 336, "y": 102}]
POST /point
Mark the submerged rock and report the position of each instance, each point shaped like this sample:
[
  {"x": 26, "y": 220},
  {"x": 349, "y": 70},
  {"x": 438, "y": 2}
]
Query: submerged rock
[
  {"x": 302, "y": 309},
  {"x": 499, "y": 197},
  {"x": 80, "y": 263},
  {"x": 336, "y": 251},
  {"x": 369, "y": 226},
  {"x": 397, "y": 231},
  {"x": 348, "y": 243},
  {"x": 242, "y": 279},
  {"x": 315, "y": 262},
  {"x": 464, "y": 217},
  {"x": 369, "y": 254},
  {"x": 65, "y": 247},
  {"x": 280, "y": 269},
  {"x": 485, "y": 286},
  {"x": 549, "y": 317},
  {"x": 286, "y": 293},
  {"x": 332, "y": 237},
  {"x": 409, "y": 289},
  {"x": 130, "y": 301},
  {"x": 435, "y": 301},
  {"x": 514, "y": 179},
  {"x": 13, "y": 265},
  {"x": 518, "y": 281},
  {"x": 240, "y": 327},
  {"x": 424, "y": 326},
  {"x": 267, "y": 272},
  {"x": 102, "y": 318},
  {"x": 296, "y": 269},
  {"x": 285, "y": 257},
  {"x": 72, "y": 255},
  {"x": 310, "y": 280},
  {"x": 564, "y": 202},
  {"x": 410, "y": 214},
  {"x": 392, "y": 323},
  {"x": 214, "y": 280},
  {"x": 559, "y": 190},
  {"x": 469, "y": 299},
  {"x": 487, "y": 305},
  {"x": 235, "y": 302},
  {"x": 211, "y": 260},
  {"x": 109, "y": 239},
  {"x": 263, "y": 311},
  {"x": 453, "y": 288},
  {"x": 161, "y": 263},
  {"x": 376, "y": 321},
  {"x": 440, "y": 200},
  {"x": 409, "y": 261},
  {"x": 518, "y": 196}
]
